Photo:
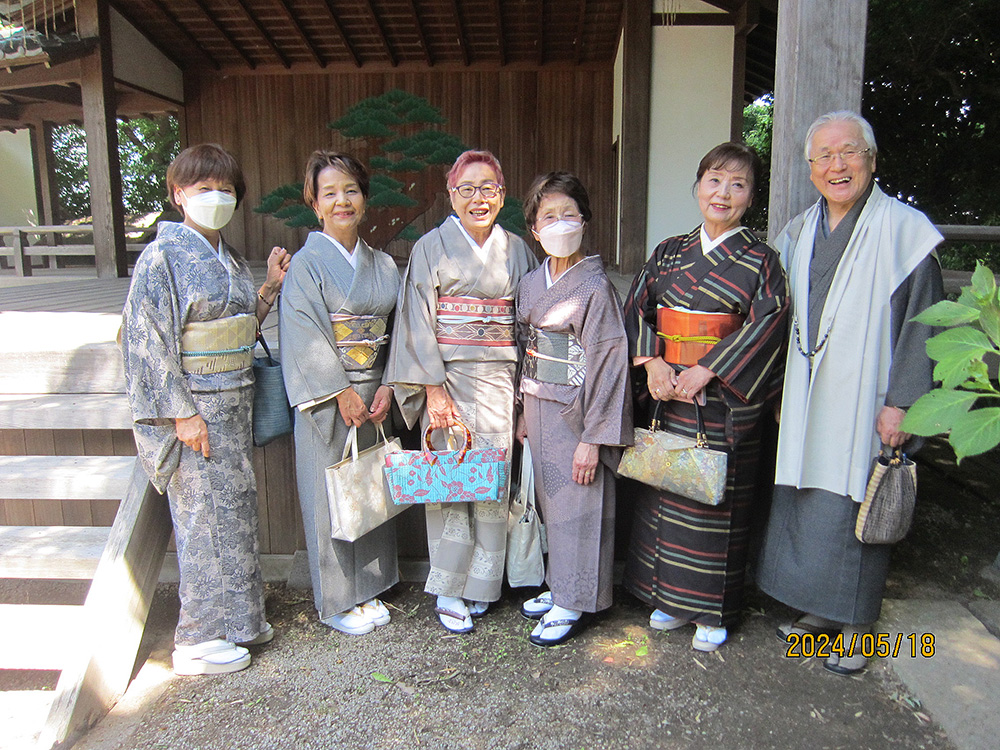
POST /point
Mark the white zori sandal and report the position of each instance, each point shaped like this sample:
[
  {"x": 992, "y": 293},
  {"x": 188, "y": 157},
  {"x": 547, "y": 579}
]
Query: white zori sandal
[{"x": 211, "y": 657}]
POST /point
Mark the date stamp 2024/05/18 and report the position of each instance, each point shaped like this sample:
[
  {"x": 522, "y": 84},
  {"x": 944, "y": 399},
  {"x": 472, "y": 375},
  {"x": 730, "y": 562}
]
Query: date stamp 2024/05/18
[{"x": 866, "y": 644}]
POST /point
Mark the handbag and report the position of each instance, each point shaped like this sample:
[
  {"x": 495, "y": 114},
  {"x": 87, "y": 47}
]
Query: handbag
[
  {"x": 886, "y": 513},
  {"x": 355, "y": 488},
  {"x": 461, "y": 476},
  {"x": 272, "y": 414},
  {"x": 525, "y": 532},
  {"x": 676, "y": 463}
]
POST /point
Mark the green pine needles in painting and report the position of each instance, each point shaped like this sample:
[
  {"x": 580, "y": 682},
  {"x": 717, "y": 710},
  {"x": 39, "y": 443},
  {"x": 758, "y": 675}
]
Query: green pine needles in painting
[
  {"x": 398, "y": 135},
  {"x": 961, "y": 353}
]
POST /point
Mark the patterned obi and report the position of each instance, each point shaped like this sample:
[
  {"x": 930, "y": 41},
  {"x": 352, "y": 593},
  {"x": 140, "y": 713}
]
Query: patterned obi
[
  {"x": 221, "y": 345},
  {"x": 690, "y": 334},
  {"x": 359, "y": 338},
  {"x": 554, "y": 358},
  {"x": 475, "y": 322}
]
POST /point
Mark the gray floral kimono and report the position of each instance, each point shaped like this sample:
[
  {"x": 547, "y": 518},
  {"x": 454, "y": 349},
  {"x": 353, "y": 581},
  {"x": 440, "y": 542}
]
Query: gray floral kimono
[{"x": 179, "y": 279}]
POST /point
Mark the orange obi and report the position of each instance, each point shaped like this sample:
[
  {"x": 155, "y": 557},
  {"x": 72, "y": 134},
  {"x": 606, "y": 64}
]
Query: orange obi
[{"x": 689, "y": 334}]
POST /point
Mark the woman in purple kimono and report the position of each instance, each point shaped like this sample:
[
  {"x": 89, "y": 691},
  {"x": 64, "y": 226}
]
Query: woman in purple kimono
[{"x": 577, "y": 406}]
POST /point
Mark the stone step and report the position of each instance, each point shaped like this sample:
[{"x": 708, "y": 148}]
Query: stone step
[
  {"x": 64, "y": 477},
  {"x": 69, "y": 552},
  {"x": 39, "y": 636}
]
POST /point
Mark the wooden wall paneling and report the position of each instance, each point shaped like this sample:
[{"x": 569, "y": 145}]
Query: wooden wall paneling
[
  {"x": 44, "y": 512},
  {"x": 104, "y": 511},
  {"x": 98, "y": 443},
  {"x": 279, "y": 466},
  {"x": 123, "y": 442},
  {"x": 263, "y": 518},
  {"x": 20, "y": 512}
]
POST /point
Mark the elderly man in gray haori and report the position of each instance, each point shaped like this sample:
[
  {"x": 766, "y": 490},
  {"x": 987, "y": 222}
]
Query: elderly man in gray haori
[{"x": 860, "y": 265}]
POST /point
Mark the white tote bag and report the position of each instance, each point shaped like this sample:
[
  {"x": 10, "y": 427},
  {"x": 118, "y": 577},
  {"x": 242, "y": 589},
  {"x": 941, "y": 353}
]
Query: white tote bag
[
  {"x": 355, "y": 488},
  {"x": 525, "y": 532}
]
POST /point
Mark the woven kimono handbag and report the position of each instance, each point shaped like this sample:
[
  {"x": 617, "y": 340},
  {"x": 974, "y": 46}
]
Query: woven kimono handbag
[
  {"x": 272, "y": 415},
  {"x": 355, "y": 488},
  {"x": 676, "y": 463},
  {"x": 886, "y": 513},
  {"x": 460, "y": 476}
]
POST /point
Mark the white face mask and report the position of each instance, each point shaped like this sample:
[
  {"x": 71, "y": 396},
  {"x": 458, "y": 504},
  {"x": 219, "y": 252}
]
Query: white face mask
[
  {"x": 561, "y": 239},
  {"x": 211, "y": 210}
]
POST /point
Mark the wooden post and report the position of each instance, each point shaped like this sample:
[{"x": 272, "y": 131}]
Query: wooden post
[
  {"x": 745, "y": 22},
  {"x": 45, "y": 180},
  {"x": 22, "y": 263},
  {"x": 819, "y": 68},
  {"x": 101, "y": 125},
  {"x": 637, "y": 40}
]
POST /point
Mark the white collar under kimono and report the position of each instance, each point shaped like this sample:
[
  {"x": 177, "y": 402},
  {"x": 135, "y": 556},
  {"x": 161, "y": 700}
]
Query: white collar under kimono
[
  {"x": 708, "y": 245},
  {"x": 548, "y": 276},
  {"x": 484, "y": 251},
  {"x": 351, "y": 258},
  {"x": 827, "y": 438},
  {"x": 220, "y": 251}
]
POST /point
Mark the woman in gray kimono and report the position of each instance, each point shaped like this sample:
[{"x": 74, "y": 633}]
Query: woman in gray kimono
[
  {"x": 454, "y": 358},
  {"x": 188, "y": 332},
  {"x": 335, "y": 309},
  {"x": 577, "y": 406}
]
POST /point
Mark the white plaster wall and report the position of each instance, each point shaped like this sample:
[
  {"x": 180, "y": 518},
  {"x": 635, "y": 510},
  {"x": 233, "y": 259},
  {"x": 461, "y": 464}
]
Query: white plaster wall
[
  {"x": 138, "y": 62},
  {"x": 692, "y": 82},
  {"x": 18, "y": 206}
]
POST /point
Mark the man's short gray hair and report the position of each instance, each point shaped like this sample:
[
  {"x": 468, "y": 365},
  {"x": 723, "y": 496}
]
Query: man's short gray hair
[{"x": 844, "y": 115}]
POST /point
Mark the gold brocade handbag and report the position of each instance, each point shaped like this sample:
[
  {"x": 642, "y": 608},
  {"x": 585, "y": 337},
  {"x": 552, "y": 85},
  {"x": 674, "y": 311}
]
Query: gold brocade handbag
[
  {"x": 676, "y": 463},
  {"x": 886, "y": 514}
]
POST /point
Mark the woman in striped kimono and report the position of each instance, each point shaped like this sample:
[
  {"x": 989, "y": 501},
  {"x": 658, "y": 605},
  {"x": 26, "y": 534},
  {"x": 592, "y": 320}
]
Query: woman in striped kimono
[
  {"x": 686, "y": 559},
  {"x": 338, "y": 291},
  {"x": 454, "y": 358}
]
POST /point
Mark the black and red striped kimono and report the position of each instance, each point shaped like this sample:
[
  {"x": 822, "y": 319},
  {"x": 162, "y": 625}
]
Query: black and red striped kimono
[{"x": 685, "y": 558}]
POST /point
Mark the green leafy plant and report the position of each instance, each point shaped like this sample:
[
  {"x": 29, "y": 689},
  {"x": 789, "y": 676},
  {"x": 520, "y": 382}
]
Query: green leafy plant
[{"x": 961, "y": 353}]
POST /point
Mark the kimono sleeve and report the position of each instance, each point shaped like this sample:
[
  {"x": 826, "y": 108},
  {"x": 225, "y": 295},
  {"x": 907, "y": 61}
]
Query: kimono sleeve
[
  {"x": 640, "y": 308},
  {"x": 745, "y": 360},
  {"x": 606, "y": 397},
  {"x": 911, "y": 371}
]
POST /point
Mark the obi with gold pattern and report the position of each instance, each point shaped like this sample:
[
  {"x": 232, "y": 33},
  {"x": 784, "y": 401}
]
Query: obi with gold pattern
[
  {"x": 554, "y": 358},
  {"x": 221, "y": 345},
  {"x": 471, "y": 321},
  {"x": 688, "y": 335},
  {"x": 359, "y": 339}
]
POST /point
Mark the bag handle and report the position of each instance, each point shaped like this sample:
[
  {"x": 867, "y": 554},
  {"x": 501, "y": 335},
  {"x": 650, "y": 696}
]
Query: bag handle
[
  {"x": 429, "y": 449},
  {"x": 701, "y": 437},
  {"x": 351, "y": 446},
  {"x": 267, "y": 349},
  {"x": 892, "y": 456}
]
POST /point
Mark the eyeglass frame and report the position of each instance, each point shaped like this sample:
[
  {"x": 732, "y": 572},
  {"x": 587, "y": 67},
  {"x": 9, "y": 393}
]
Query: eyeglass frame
[
  {"x": 825, "y": 160},
  {"x": 478, "y": 189}
]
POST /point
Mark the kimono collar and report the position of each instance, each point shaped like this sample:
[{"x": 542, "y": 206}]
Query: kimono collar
[
  {"x": 351, "y": 258},
  {"x": 219, "y": 251},
  {"x": 708, "y": 245},
  {"x": 484, "y": 251}
]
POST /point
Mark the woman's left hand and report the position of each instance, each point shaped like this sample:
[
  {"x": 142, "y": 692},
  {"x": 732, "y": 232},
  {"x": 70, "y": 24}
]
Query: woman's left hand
[
  {"x": 584, "y": 463},
  {"x": 691, "y": 381},
  {"x": 380, "y": 404},
  {"x": 277, "y": 267}
]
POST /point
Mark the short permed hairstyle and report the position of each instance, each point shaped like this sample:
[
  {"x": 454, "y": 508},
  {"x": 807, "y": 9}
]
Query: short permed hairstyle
[
  {"x": 323, "y": 158},
  {"x": 467, "y": 158},
  {"x": 843, "y": 115},
  {"x": 732, "y": 155},
  {"x": 564, "y": 183},
  {"x": 206, "y": 161}
]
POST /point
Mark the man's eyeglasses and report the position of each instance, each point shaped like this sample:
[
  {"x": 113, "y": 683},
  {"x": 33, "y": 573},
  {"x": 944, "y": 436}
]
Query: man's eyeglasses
[
  {"x": 825, "y": 160},
  {"x": 488, "y": 190}
]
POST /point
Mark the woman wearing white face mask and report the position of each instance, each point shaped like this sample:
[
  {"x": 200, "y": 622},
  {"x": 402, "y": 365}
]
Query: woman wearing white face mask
[
  {"x": 188, "y": 331},
  {"x": 577, "y": 407}
]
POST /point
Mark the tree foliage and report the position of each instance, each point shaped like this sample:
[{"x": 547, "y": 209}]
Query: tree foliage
[
  {"x": 398, "y": 135},
  {"x": 758, "y": 123},
  {"x": 146, "y": 146},
  {"x": 961, "y": 353}
]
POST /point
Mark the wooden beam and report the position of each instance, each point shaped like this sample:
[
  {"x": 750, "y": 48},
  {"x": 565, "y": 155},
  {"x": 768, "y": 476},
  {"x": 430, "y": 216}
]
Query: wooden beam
[
  {"x": 581, "y": 18},
  {"x": 176, "y": 23},
  {"x": 263, "y": 33},
  {"x": 38, "y": 75},
  {"x": 369, "y": 10},
  {"x": 303, "y": 36},
  {"x": 819, "y": 68},
  {"x": 498, "y": 22},
  {"x": 692, "y": 19},
  {"x": 104, "y": 169},
  {"x": 743, "y": 26},
  {"x": 343, "y": 37},
  {"x": 461, "y": 31},
  {"x": 223, "y": 33},
  {"x": 540, "y": 31},
  {"x": 637, "y": 77},
  {"x": 421, "y": 36},
  {"x": 59, "y": 94}
]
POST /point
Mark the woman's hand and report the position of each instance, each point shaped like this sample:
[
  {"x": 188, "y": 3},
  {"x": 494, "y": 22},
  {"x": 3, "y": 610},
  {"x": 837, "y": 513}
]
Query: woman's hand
[
  {"x": 691, "y": 382},
  {"x": 352, "y": 409},
  {"x": 380, "y": 404},
  {"x": 887, "y": 426},
  {"x": 277, "y": 267},
  {"x": 521, "y": 429},
  {"x": 193, "y": 432},
  {"x": 440, "y": 408},
  {"x": 584, "y": 463},
  {"x": 661, "y": 379}
]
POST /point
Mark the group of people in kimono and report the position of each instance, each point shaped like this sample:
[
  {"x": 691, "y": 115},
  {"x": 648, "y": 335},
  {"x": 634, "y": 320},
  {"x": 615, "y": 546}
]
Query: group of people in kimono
[{"x": 817, "y": 332}]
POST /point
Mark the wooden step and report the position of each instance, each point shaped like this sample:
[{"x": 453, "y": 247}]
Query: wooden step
[
  {"x": 39, "y": 636},
  {"x": 51, "y": 551},
  {"x": 65, "y": 477},
  {"x": 22, "y": 715},
  {"x": 65, "y": 411}
]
